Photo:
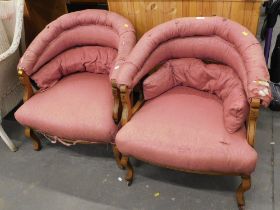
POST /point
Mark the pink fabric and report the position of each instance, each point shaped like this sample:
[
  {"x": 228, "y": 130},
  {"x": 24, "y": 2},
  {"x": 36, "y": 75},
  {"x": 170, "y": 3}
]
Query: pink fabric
[
  {"x": 236, "y": 38},
  {"x": 85, "y": 27},
  {"x": 214, "y": 78},
  {"x": 180, "y": 48},
  {"x": 93, "y": 59},
  {"x": 79, "y": 36},
  {"x": 167, "y": 133},
  {"x": 255, "y": 87},
  {"x": 79, "y": 107}
]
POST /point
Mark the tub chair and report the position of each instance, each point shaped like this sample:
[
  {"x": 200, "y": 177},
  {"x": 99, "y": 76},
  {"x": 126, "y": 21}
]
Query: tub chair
[
  {"x": 11, "y": 45},
  {"x": 203, "y": 81},
  {"x": 71, "y": 62}
]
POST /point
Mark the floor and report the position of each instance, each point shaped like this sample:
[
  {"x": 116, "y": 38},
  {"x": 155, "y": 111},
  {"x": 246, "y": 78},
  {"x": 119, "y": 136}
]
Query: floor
[{"x": 86, "y": 177}]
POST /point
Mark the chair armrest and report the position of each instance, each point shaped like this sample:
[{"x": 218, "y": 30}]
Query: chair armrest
[
  {"x": 25, "y": 81},
  {"x": 252, "y": 120},
  {"x": 137, "y": 106},
  {"x": 117, "y": 107},
  {"x": 126, "y": 104}
]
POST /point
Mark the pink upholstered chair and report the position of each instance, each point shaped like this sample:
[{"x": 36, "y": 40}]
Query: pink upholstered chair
[
  {"x": 201, "y": 104},
  {"x": 71, "y": 61}
]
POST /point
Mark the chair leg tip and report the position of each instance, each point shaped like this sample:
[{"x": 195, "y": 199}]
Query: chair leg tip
[
  {"x": 121, "y": 167},
  {"x": 129, "y": 182},
  {"x": 37, "y": 147},
  {"x": 241, "y": 207},
  {"x": 14, "y": 149}
]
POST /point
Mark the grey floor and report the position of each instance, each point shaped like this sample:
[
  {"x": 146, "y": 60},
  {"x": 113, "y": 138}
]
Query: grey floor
[{"x": 86, "y": 177}]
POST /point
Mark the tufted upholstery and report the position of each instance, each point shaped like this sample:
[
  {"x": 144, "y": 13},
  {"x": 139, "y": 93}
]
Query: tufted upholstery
[
  {"x": 183, "y": 128},
  {"x": 213, "y": 38},
  {"x": 217, "y": 79}
]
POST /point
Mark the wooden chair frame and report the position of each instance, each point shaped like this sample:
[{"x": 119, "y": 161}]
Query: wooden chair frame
[
  {"x": 30, "y": 132},
  {"x": 129, "y": 111}
]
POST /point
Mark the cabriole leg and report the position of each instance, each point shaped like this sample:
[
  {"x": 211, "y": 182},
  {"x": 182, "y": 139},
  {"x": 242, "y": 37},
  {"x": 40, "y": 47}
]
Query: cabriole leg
[
  {"x": 118, "y": 156},
  {"x": 29, "y": 133},
  {"x": 243, "y": 187},
  {"x": 130, "y": 172}
]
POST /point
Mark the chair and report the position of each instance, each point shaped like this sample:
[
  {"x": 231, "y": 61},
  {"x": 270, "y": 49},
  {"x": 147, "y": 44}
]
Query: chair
[
  {"x": 71, "y": 61},
  {"x": 202, "y": 78},
  {"x": 11, "y": 25}
]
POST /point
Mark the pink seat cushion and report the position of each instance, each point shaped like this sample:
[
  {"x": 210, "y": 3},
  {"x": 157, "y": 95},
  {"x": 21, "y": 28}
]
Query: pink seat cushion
[
  {"x": 218, "y": 79},
  {"x": 183, "y": 128},
  {"x": 78, "y": 107}
]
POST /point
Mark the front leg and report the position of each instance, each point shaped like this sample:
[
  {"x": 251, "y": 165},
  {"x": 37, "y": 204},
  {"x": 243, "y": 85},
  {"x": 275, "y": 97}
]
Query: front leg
[{"x": 243, "y": 187}]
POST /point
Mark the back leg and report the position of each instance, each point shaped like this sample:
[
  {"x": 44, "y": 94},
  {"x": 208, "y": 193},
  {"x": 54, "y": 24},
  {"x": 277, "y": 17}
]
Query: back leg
[
  {"x": 118, "y": 156},
  {"x": 130, "y": 172},
  {"x": 29, "y": 133}
]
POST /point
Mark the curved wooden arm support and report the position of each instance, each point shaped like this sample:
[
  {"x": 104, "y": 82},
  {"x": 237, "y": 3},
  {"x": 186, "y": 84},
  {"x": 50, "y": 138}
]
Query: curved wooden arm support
[
  {"x": 27, "y": 94},
  {"x": 126, "y": 104},
  {"x": 117, "y": 109},
  {"x": 252, "y": 120},
  {"x": 137, "y": 106},
  {"x": 128, "y": 111},
  {"x": 25, "y": 81}
]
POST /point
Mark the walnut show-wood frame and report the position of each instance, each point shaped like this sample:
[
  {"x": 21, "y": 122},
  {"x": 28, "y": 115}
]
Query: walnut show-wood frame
[
  {"x": 30, "y": 132},
  {"x": 129, "y": 111}
]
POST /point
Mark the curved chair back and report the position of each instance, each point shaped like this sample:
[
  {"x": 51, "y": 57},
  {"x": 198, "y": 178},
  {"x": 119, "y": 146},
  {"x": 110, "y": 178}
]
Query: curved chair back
[
  {"x": 208, "y": 38},
  {"x": 83, "y": 28}
]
